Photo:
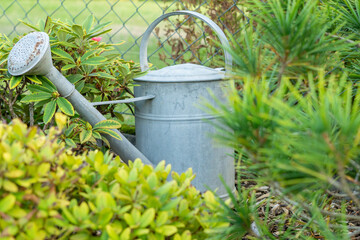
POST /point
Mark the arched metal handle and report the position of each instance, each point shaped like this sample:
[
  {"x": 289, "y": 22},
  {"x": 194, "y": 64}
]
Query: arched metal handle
[{"x": 145, "y": 40}]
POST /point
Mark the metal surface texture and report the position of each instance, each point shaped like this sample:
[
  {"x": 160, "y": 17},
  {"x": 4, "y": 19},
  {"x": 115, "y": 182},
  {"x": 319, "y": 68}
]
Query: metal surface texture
[
  {"x": 28, "y": 52},
  {"x": 21, "y": 62},
  {"x": 187, "y": 72},
  {"x": 173, "y": 127},
  {"x": 129, "y": 100}
]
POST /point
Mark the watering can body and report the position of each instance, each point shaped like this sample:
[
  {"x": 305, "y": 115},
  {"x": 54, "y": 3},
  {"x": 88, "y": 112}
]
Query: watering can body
[{"x": 173, "y": 126}]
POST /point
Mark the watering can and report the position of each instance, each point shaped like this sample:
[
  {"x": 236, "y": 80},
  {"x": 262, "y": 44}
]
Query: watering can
[
  {"x": 172, "y": 127},
  {"x": 168, "y": 125}
]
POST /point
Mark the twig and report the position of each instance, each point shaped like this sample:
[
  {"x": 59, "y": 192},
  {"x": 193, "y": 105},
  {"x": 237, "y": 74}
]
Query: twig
[
  {"x": 308, "y": 208},
  {"x": 13, "y": 114},
  {"x": 342, "y": 195},
  {"x": 345, "y": 39},
  {"x": 353, "y": 234},
  {"x": 1, "y": 116},
  {"x": 31, "y": 114},
  {"x": 341, "y": 171}
]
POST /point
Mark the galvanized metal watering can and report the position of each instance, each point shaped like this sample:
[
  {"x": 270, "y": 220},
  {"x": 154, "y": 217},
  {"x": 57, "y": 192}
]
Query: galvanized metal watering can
[
  {"x": 171, "y": 127},
  {"x": 168, "y": 125}
]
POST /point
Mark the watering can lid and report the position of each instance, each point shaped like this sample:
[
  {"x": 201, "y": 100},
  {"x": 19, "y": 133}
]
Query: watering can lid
[{"x": 183, "y": 73}]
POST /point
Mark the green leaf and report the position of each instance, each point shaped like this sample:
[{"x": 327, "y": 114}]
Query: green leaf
[
  {"x": 109, "y": 132},
  {"x": 87, "y": 54},
  {"x": 49, "y": 111},
  {"x": 96, "y": 135},
  {"x": 34, "y": 88},
  {"x": 98, "y": 34},
  {"x": 30, "y": 25},
  {"x": 80, "y": 236},
  {"x": 69, "y": 142},
  {"x": 80, "y": 85},
  {"x": 74, "y": 78},
  {"x": 104, "y": 217},
  {"x": 70, "y": 129},
  {"x": 17, "y": 212},
  {"x": 88, "y": 23},
  {"x": 66, "y": 44},
  {"x": 61, "y": 35},
  {"x": 125, "y": 235},
  {"x": 147, "y": 217},
  {"x": 99, "y": 27},
  {"x": 112, "y": 232},
  {"x": 7, "y": 203},
  {"x": 108, "y": 124},
  {"x": 14, "y": 81},
  {"x": 129, "y": 219},
  {"x": 47, "y": 83},
  {"x": 47, "y": 26},
  {"x": 171, "y": 205},
  {"x": 67, "y": 67},
  {"x": 167, "y": 230},
  {"x": 105, "y": 200},
  {"x": 10, "y": 186},
  {"x": 141, "y": 231},
  {"x": 65, "y": 106},
  {"x": 85, "y": 135},
  {"x": 36, "y": 97},
  {"x": 63, "y": 55},
  {"x": 68, "y": 216},
  {"x": 34, "y": 79},
  {"x": 94, "y": 61},
  {"x": 81, "y": 212},
  {"x": 78, "y": 30},
  {"x": 102, "y": 74}
]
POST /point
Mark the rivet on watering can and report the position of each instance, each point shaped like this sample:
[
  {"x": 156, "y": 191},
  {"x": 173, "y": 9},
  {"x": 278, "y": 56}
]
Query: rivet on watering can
[{"x": 170, "y": 127}]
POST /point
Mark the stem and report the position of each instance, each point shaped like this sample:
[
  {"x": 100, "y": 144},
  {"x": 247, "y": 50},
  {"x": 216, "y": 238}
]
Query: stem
[
  {"x": 345, "y": 39},
  {"x": 345, "y": 184},
  {"x": 341, "y": 171},
  {"x": 308, "y": 208},
  {"x": 31, "y": 114},
  {"x": 11, "y": 109},
  {"x": 355, "y": 233},
  {"x": 284, "y": 64},
  {"x": 1, "y": 116}
]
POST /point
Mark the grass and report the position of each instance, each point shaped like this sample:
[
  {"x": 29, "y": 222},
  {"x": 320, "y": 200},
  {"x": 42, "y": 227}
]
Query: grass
[{"x": 129, "y": 19}]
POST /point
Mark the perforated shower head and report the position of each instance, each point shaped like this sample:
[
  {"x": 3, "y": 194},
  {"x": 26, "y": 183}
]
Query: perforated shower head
[{"x": 31, "y": 55}]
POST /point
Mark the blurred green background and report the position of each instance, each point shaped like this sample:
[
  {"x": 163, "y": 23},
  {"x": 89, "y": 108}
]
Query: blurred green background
[{"x": 129, "y": 18}]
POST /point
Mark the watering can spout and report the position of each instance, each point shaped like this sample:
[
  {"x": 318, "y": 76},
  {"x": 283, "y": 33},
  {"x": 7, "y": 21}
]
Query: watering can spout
[{"x": 32, "y": 56}]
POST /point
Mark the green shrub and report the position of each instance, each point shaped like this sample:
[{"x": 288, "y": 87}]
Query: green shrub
[
  {"x": 48, "y": 193},
  {"x": 293, "y": 119}
]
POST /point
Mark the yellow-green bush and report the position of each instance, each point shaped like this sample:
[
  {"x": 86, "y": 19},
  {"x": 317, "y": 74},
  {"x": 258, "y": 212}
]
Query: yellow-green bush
[{"x": 47, "y": 192}]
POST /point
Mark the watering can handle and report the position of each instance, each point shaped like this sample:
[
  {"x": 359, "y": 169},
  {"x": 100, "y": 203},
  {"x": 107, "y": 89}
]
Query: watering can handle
[{"x": 145, "y": 40}]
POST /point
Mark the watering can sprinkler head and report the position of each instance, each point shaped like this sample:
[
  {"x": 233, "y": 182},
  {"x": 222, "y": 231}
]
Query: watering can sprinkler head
[{"x": 31, "y": 55}]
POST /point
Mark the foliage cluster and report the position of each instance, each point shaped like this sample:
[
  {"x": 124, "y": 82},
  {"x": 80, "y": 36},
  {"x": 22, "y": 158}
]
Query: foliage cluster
[
  {"x": 293, "y": 116},
  {"x": 49, "y": 193},
  {"x": 95, "y": 69},
  {"x": 193, "y": 40}
]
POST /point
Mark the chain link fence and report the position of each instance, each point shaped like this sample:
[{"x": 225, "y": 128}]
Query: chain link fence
[{"x": 129, "y": 20}]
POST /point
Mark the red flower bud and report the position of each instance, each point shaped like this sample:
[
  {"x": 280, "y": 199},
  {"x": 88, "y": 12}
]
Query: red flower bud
[{"x": 97, "y": 39}]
